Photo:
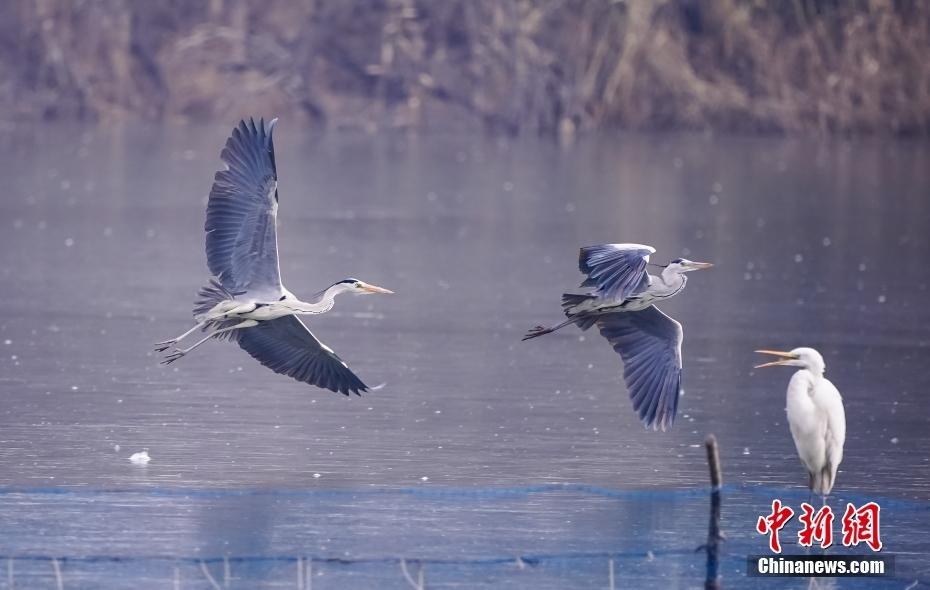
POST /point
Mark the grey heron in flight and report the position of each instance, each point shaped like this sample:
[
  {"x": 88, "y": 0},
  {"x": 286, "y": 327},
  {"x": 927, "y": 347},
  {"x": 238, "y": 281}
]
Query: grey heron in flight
[
  {"x": 246, "y": 301},
  {"x": 815, "y": 416},
  {"x": 621, "y": 303}
]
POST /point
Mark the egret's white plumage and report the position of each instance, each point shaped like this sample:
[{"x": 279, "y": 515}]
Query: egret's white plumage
[{"x": 815, "y": 415}]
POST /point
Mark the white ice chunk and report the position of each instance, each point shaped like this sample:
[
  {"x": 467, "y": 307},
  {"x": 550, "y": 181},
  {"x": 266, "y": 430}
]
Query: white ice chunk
[{"x": 140, "y": 458}]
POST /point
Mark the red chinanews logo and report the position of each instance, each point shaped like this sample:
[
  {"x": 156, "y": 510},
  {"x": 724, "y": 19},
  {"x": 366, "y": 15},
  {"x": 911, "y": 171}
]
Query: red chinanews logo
[{"x": 859, "y": 525}]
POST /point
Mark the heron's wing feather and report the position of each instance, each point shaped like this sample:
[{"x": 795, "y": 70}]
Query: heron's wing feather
[
  {"x": 616, "y": 271},
  {"x": 649, "y": 342},
  {"x": 286, "y": 346},
  {"x": 242, "y": 247}
]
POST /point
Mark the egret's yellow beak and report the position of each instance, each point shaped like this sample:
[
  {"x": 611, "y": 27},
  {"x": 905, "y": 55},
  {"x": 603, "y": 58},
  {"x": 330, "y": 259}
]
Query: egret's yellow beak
[
  {"x": 374, "y": 289},
  {"x": 786, "y": 356},
  {"x": 700, "y": 265}
]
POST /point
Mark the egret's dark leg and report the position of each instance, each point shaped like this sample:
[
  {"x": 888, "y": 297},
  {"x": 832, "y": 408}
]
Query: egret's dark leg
[
  {"x": 162, "y": 346},
  {"x": 179, "y": 352},
  {"x": 542, "y": 330}
]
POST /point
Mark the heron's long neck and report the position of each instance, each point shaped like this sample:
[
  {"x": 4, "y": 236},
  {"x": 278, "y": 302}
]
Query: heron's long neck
[
  {"x": 674, "y": 281},
  {"x": 322, "y": 302}
]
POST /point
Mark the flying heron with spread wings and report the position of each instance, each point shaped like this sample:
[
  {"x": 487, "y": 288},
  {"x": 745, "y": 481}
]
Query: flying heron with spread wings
[
  {"x": 246, "y": 301},
  {"x": 621, "y": 302}
]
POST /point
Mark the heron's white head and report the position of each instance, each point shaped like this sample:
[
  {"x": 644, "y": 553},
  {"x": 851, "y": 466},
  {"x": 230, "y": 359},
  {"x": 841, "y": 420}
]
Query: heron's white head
[
  {"x": 357, "y": 287},
  {"x": 682, "y": 265},
  {"x": 806, "y": 358}
]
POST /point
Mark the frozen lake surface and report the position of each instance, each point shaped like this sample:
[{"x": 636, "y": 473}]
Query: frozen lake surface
[{"x": 458, "y": 459}]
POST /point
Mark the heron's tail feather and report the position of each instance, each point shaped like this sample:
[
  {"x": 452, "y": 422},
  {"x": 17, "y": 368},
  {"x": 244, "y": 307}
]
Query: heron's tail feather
[
  {"x": 570, "y": 301},
  {"x": 209, "y": 296},
  {"x": 585, "y": 321}
]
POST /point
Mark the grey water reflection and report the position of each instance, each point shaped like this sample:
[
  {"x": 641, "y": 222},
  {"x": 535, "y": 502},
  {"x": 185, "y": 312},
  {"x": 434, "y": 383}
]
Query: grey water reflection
[{"x": 817, "y": 244}]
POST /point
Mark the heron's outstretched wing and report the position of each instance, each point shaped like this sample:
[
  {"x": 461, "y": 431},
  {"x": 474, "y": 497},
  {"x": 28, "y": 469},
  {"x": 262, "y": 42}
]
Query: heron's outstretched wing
[
  {"x": 615, "y": 270},
  {"x": 286, "y": 346},
  {"x": 649, "y": 342},
  {"x": 242, "y": 244}
]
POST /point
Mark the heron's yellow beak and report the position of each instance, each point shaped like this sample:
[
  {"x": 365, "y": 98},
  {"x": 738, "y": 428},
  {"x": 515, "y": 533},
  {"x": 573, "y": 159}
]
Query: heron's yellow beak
[
  {"x": 700, "y": 265},
  {"x": 374, "y": 289},
  {"x": 786, "y": 356}
]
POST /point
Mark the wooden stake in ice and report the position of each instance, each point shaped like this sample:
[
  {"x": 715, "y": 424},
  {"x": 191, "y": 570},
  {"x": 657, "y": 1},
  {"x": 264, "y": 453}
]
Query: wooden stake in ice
[{"x": 714, "y": 536}]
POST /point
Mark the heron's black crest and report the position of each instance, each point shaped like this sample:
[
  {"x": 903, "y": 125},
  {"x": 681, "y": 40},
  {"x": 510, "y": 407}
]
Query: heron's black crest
[
  {"x": 348, "y": 281},
  {"x": 677, "y": 261}
]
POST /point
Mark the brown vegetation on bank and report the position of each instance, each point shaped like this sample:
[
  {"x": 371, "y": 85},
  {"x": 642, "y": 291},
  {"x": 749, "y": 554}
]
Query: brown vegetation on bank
[{"x": 820, "y": 66}]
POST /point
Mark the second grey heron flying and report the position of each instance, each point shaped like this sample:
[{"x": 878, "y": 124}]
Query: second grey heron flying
[
  {"x": 621, "y": 304},
  {"x": 247, "y": 302}
]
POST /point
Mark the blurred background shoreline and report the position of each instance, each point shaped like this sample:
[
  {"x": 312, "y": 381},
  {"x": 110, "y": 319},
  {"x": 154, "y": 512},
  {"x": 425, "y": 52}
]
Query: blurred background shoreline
[{"x": 805, "y": 67}]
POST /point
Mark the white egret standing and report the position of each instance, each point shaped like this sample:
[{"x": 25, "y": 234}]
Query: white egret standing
[
  {"x": 815, "y": 415},
  {"x": 247, "y": 302},
  {"x": 621, "y": 304}
]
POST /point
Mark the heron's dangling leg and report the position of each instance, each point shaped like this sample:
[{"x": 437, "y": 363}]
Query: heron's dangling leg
[
  {"x": 162, "y": 346},
  {"x": 542, "y": 330},
  {"x": 179, "y": 352}
]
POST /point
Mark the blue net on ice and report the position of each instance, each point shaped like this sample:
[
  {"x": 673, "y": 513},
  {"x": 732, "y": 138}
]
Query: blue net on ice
[{"x": 543, "y": 536}]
